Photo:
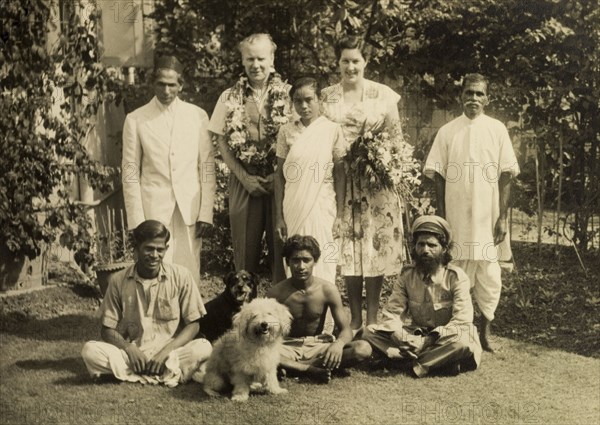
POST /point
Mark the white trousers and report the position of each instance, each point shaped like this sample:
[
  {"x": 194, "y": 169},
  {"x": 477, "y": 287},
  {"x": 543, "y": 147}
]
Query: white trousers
[
  {"x": 102, "y": 358},
  {"x": 184, "y": 246},
  {"x": 486, "y": 281}
]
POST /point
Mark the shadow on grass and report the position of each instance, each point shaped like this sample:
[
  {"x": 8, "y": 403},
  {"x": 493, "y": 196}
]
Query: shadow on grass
[
  {"x": 85, "y": 290},
  {"x": 192, "y": 391},
  {"x": 70, "y": 327},
  {"x": 78, "y": 375},
  {"x": 82, "y": 379},
  {"x": 70, "y": 364}
]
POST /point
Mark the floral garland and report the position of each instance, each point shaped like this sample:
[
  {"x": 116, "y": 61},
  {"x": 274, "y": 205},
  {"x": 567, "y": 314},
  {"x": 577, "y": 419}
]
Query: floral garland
[{"x": 259, "y": 154}]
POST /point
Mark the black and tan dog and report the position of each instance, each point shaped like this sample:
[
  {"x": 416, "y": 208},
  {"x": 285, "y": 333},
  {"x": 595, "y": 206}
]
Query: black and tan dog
[{"x": 240, "y": 288}]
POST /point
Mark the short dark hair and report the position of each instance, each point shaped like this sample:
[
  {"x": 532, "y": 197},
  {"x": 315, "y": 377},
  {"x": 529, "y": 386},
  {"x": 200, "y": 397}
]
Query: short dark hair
[
  {"x": 474, "y": 78},
  {"x": 351, "y": 42},
  {"x": 301, "y": 243},
  {"x": 305, "y": 82},
  {"x": 156, "y": 71},
  {"x": 446, "y": 257},
  {"x": 148, "y": 230}
]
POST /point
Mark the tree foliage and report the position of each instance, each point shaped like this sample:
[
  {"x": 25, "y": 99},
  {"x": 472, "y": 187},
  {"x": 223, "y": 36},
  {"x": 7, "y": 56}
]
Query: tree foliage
[
  {"x": 541, "y": 56},
  {"x": 50, "y": 95}
]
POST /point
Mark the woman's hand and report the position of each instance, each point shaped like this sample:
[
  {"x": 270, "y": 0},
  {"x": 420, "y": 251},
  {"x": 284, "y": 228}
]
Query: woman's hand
[
  {"x": 338, "y": 227},
  {"x": 281, "y": 229}
]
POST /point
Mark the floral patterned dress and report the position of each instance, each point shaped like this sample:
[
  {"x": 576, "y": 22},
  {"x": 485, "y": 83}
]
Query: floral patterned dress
[{"x": 371, "y": 243}]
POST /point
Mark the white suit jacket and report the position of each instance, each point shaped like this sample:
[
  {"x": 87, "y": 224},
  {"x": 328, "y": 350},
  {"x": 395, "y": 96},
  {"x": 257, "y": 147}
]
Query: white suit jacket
[{"x": 163, "y": 168}]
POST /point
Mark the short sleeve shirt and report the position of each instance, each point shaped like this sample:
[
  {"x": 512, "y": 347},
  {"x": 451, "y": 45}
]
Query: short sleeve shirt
[{"x": 149, "y": 313}]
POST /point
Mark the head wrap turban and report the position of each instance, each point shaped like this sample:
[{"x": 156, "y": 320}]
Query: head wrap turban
[{"x": 432, "y": 224}]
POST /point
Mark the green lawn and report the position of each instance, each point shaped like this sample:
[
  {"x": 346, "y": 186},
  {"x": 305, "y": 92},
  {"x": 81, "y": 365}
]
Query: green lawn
[{"x": 43, "y": 380}]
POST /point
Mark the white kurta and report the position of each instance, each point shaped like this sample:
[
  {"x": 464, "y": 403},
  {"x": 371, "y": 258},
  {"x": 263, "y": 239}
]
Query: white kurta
[{"x": 471, "y": 155}]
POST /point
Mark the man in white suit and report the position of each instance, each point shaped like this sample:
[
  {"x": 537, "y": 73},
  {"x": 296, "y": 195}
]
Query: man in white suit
[{"x": 168, "y": 166}]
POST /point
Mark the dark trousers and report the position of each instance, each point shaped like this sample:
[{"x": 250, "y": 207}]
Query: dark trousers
[
  {"x": 454, "y": 344},
  {"x": 250, "y": 217}
]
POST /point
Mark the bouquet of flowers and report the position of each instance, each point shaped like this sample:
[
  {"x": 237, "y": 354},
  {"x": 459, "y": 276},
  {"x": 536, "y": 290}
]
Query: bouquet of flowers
[{"x": 385, "y": 161}]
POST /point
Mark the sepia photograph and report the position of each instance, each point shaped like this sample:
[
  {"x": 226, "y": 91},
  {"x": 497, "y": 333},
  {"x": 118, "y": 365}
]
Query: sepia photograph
[{"x": 300, "y": 212}]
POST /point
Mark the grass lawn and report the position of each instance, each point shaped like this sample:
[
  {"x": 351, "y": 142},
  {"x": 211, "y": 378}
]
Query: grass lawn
[{"x": 547, "y": 372}]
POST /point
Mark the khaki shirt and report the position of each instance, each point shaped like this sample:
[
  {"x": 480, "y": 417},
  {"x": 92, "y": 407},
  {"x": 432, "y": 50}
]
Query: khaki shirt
[
  {"x": 441, "y": 300},
  {"x": 151, "y": 321}
]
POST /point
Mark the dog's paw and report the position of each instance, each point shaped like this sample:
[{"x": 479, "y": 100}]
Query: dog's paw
[
  {"x": 211, "y": 393},
  {"x": 256, "y": 386},
  {"x": 278, "y": 390},
  {"x": 240, "y": 397}
]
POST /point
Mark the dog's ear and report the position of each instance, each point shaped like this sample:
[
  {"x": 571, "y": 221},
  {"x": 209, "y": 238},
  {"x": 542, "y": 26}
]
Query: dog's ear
[
  {"x": 255, "y": 279},
  {"x": 228, "y": 278}
]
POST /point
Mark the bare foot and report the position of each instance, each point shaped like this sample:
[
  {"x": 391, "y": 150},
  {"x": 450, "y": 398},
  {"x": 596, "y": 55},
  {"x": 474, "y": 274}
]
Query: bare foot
[
  {"x": 484, "y": 335},
  {"x": 485, "y": 344},
  {"x": 341, "y": 373},
  {"x": 319, "y": 374}
]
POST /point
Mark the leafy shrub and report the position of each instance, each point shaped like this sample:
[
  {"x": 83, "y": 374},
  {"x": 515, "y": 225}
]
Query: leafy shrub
[{"x": 49, "y": 99}]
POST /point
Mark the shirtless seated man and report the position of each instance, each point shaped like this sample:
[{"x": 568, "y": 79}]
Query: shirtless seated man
[{"x": 306, "y": 351}]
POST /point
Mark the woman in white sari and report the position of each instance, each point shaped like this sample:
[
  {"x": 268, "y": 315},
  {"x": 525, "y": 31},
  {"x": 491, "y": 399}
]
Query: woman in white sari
[{"x": 310, "y": 179}]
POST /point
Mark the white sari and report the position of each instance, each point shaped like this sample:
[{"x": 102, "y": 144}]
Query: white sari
[{"x": 309, "y": 205}]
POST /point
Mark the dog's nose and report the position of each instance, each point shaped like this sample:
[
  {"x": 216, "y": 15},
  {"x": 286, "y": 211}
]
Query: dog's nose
[{"x": 264, "y": 326}]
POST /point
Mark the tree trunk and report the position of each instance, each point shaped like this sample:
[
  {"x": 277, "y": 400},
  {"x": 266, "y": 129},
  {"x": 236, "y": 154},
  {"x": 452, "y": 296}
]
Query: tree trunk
[
  {"x": 539, "y": 186},
  {"x": 559, "y": 196}
]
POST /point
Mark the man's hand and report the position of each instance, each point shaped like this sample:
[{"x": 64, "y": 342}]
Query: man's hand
[
  {"x": 500, "y": 230},
  {"x": 137, "y": 359},
  {"x": 156, "y": 365},
  {"x": 267, "y": 182},
  {"x": 333, "y": 356},
  {"x": 202, "y": 229},
  {"x": 253, "y": 185},
  {"x": 281, "y": 229},
  {"x": 409, "y": 345}
]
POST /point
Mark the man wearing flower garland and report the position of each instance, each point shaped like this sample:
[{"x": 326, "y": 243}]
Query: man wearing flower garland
[
  {"x": 245, "y": 124},
  {"x": 168, "y": 166}
]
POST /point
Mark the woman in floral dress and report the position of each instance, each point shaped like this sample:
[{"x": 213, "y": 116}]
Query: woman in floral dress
[{"x": 371, "y": 242}]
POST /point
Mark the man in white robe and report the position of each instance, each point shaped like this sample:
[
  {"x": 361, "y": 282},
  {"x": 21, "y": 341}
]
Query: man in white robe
[
  {"x": 472, "y": 162},
  {"x": 168, "y": 166}
]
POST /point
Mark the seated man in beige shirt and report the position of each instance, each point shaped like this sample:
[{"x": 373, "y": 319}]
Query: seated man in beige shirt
[{"x": 141, "y": 314}]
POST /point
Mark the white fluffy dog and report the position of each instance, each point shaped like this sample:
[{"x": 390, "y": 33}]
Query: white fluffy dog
[{"x": 249, "y": 353}]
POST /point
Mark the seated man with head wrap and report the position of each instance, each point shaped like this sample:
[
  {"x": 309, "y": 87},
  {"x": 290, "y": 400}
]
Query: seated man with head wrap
[{"x": 429, "y": 316}]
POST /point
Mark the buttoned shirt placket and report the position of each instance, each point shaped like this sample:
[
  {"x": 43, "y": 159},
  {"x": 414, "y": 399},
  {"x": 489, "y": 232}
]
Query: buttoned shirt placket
[
  {"x": 147, "y": 319},
  {"x": 258, "y": 102}
]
